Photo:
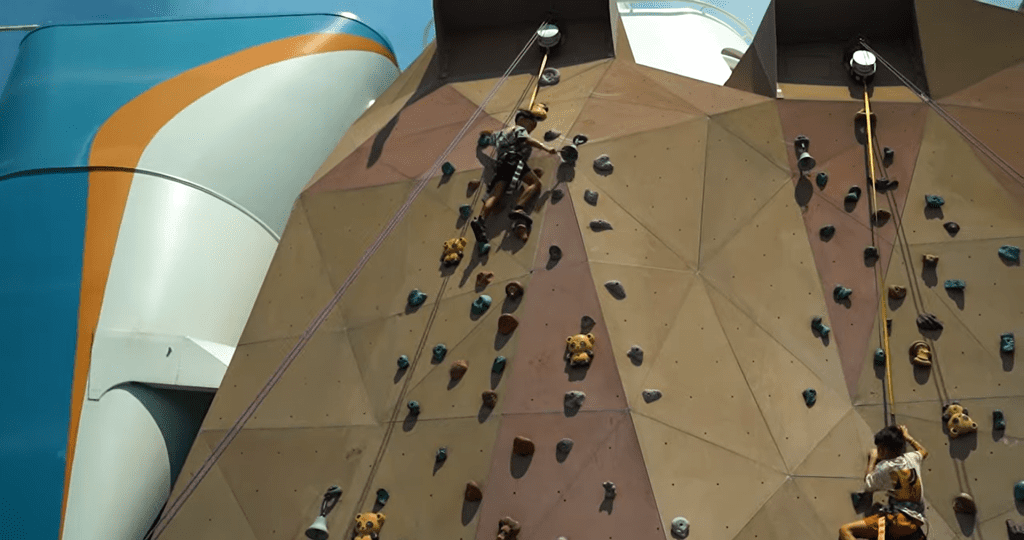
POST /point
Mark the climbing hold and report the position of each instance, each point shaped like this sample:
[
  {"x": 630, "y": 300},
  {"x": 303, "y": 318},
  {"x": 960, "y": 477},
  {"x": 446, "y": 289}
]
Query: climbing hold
[
  {"x": 549, "y": 77},
  {"x": 441, "y": 455},
  {"x": 651, "y": 395},
  {"x": 871, "y": 252},
  {"x": 557, "y": 194},
  {"x": 879, "y": 357},
  {"x": 1018, "y": 491},
  {"x": 564, "y": 446},
  {"x": 458, "y": 369},
  {"x": 447, "y": 169},
  {"x": 417, "y": 297},
  {"x": 507, "y": 323},
  {"x": 465, "y": 211},
  {"x": 964, "y": 504},
  {"x": 934, "y": 201},
  {"x": 920, "y": 354},
  {"x": 930, "y": 260},
  {"x": 853, "y": 195},
  {"x": 998, "y": 420},
  {"x": 555, "y": 253},
  {"x": 523, "y": 446},
  {"x": 885, "y": 184},
  {"x": 951, "y": 227},
  {"x": 609, "y": 490},
  {"x": 499, "y": 364},
  {"x": 514, "y": 290},
  {"x": 551, "y": 135},
  {"x": 841, "y": 293},
  {"x": 483, "y": 279},
  {"x": 590, "y": 197},
  {"x": 897, "y": 292},
  {"x": 579, "y": 349},
  {"x": 887, "y": 156},
  {"x": 827, "y": 232},
  {"x": 955, "y": 284},
  {"x": 1015, "y": 530},
  {"x": 957, "y": 420},
  {"x": 580, "y": 139},
  {"x": 490, "y": 398},
  {"x": 587, "y": 323},
  {"x": 615, "y": 287},
  {"x": 473, "y": 492},
  {"x": 403, "y": 362},
  {"x": 821, "y": 179},
  {"x": 452, "y": 254},
  {"x": 881, "y": 217},
  {"x": 483, "y": 248},
  {"x": 600, "y": 225},
  {"x": 680, "y": 528},
  {"x": 414, "y": 408},
  {"x": 1010, "y": 253},
  {"x": 439, "y": 352},
  {"x": 1006, "y": 342},
  {"x": 928, "y": 322},
  {"x": 810, "y": 397},
  {"x": 574, "y": 399},
  {"x": 818, "y": 326},
  {"x": 485, "y": 140},
  {"x": 508, "y": 529},
  {"x": 636, "y": 354},
  {"x": 481, "y": 304},
  {"x": 603, "y": 164},
  {"x": 569, "y": 154}
]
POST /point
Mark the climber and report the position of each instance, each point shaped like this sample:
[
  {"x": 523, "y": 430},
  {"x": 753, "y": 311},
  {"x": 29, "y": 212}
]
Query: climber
[
  {"x": 899, "y": 472},
  {"x": 513, "y": 146}
]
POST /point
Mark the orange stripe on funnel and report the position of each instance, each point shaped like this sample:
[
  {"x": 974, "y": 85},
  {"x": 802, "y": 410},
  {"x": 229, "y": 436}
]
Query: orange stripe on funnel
[{"x": 120, "y": 143}]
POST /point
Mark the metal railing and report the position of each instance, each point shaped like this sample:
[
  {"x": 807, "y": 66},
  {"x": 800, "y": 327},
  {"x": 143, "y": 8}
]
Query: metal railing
[
  {"x": 692, "y": 7},
  {"x": 20, "y": 28}
]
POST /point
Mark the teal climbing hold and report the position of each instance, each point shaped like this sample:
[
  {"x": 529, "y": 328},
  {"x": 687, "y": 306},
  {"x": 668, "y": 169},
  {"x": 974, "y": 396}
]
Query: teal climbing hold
[
  {"x": 481, "y": 304},
  {"x": 810, "y": 397},
  {"x": 485, "y": 140},
  {"x": 879, "y": 357},
  {"x": 447, "y": 169},
  {"x": 403, "y": 362},
  {"x": 853, "y": 195},
  {"x": 465, "y": 211},
  {"x": 414, "y": 407},
  {"x": 954, "y": 284},
  {"x": 499, "y": 364},
  {"x": 439, "y": 352},
  {"x": 484, "y": 248},
  {"x": 1006, "y": 342},
  {"x": 1018, "y": 491},
  {"x": 442, "y": 454},
  {"x": 934, "y": 201},
  {"x": 998, "y": 420},
  {"x": 841, "y": 293},
  {"x": 818, "y": 326},
  {"x": 827, "y": 232},
  {"x": 383, "y": 495},
  {"x": 1010, "y": 253},
  {"x": 417, "y": 297},
  {"x": 821, "y": 179}
]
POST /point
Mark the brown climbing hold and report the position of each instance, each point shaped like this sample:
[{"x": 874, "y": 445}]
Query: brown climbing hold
[
  {"x": 483, "y": 279},
  {"x": 507, "y": 323},
  {"x": 508, "y": 529},
  {"x": 473, "y": 492},
  {"x": 897, "y": 293},
  {"x": 964, "y": 504},
  {"x": 957, "y": 421},
  {"x": 921, "y": 354},
  {"x": 459, "y": 369},
  {"x": 930, "y": 260},
  {"x": 490, "y": 398},
  {"x": 514, "y": 290},
  {"x": 523, "y": 446}
]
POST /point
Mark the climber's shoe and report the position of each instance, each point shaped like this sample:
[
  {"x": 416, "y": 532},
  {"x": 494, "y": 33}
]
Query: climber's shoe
[
  {"x": 519, "y": 215},
  {"x": 479, "y": 230}
]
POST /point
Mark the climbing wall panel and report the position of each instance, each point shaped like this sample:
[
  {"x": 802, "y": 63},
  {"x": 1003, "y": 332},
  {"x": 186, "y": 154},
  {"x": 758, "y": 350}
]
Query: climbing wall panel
[
  {"x": 279, "y": 475},
  {"x": 828, "y": 125},
  {"x": 426, "y": 495},
  {"x": 717, "y": 490},
  {"x": 760, "y": 127},
  {"x": 706, "y": 97},
  {"x": 295, "y": 289},
  {"x": 604, "y": 119},
  {"x": 997, "y": 130},
  {"x": 1000, "y": 92},
  {"x": 562, "y": 115},
  {"x": 829, "y": 498},
  {"x": 624, "y": 83},
  {"x": 787, "y": 514},
  {"x": 658, "y": 180},
  {"x": 843, "y": 451},
  {"x": 695, "y": 352},
  {"x": 575, "y": 82},
  {"x": 562, "y": 495}
]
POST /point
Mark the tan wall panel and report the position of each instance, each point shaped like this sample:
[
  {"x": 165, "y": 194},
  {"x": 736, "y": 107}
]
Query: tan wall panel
[
  {"x": 250, "y": 369},
  {"x": 811, "y": 92},
  {"x": 998, "y": 92},
  {"x": 760, "y": 127},
  {"x": 576, "y": 82},
  {"x": 843, "y": 452},
  {"x": 707, "y": 97},
  {"x": 604, "y": 119},
  {"x": 562, "y": 116},
  {"x": 827, "y": 124},
  {"x": 624, "y": 83}
]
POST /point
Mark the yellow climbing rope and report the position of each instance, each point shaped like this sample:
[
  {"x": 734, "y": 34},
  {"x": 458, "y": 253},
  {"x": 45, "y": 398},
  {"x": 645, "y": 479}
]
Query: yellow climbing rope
[
  {"x": 536, "y": 88},
  {"x": 881, "y": 274}
]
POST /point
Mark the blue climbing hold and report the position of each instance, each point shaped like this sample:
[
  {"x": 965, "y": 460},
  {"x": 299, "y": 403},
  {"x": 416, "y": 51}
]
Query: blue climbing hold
[
  {"x": 827, "y": 232},
  {"x": 499, "y": 364},
  {"x": 481, "y": 304},
  {"x": 447, "y": 169},
  {"x": 1018, "y": 491},
  {"x": 841, "y": 293},
  {"x": 818, "y": 326},
  {"x": 955, "y": 284},
  {"x": 439, "y": 352},
  {"x": 1010, "y": 253},
  {"x": 383, "y": 496},
  {"x": 934, "y": 201},
  {"x": 1006, "y": 342},
  {"x": 485, "y": 140},
  {"x": 484, "y": 248},
  {"x": 821, "y": 179},
  {"x": 414, "y": 407},
  {"x": 810, "y": 397},
  {"x": 998, "y": 420},
  {"x": 879, "y": 357},
  {"x": 417, "y": 297},
  {"x": 442, "y": 454},
  {"x": 403, "y": 362},
  {"x": 465, "y": 211}
]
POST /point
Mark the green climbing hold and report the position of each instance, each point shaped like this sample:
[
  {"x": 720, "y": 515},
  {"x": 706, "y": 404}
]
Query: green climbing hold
[
  {"x": 934, "y": 201},
  {"x": 853, "y": 195},
  {"x": 998, "y": 420},
  {"x": 879, "y": 357},
  {"x": 827, "y": 232},
  {"x": 1006, "y": 342},
  {"x": 403, "y": 362},
  {"x": 821, "y": 179},
  {"x": 447, "y": 169},
  {"x": 417, "y": 297},
  {"x": 954, "y": 284},
  {"x": 818, "y": 326},
  {"x": 465, "y": 211},
  {"x": 841, "y": 293},
  {"x": 382, "y": 495},
  {"x": 439, "y": 352},
  {"x": 442, "y": 454},
  {"x": 414, "y": 407},
  {"x": 481, "y": 304},
  {"x": 484, "y": 248},
  {"x": 499, "y": 364},
  {"x": 1018, "y": 491},
  {"x": 1010, "y": 253},
  {"x": 810, "y": 397}
]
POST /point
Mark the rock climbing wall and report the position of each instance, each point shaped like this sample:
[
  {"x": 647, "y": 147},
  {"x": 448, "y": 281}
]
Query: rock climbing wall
[{"x": 687, "y": 244}]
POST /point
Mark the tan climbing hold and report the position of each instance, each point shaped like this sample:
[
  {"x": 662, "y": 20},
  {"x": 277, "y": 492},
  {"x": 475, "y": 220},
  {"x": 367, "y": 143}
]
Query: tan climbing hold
[
  {"x": 490, "y": 398},
  {"x": 921, "y": 354},
  {"x": 897, "y": 293},
  {"x": 514, "y": 290},
  {"x": 523, "y": 446},
  {"x": 579, "y": 349},
  {"x": 508, "y": 529},
  {"x": 930, "y": 260},
  {"x": 483, "y": 279},
  {"x": 452, "y": 254},
  {"x": 957, "y": 421},
  {"x": 964, "y": 504},
  {"x": 473, "y": 492},
  {"x": 507, "y": 323},
  {"x": 458, "y": 369}
]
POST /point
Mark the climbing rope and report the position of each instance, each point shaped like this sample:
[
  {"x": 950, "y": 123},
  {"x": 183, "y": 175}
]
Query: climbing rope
[{"x": 173, "y": 509}]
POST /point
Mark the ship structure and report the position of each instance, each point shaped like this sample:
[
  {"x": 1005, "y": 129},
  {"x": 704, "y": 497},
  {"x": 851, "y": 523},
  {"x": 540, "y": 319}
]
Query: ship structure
[{"x": 725, "y": 291}]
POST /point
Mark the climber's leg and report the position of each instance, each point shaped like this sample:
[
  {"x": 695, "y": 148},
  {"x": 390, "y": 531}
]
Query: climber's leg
[
  {"x": 531, "y": 179},
  {"x": 491, "y": 204}
]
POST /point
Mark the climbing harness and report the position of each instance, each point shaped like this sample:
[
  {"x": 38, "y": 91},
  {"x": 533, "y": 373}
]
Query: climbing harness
[{"x": 229, "y": 436}]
